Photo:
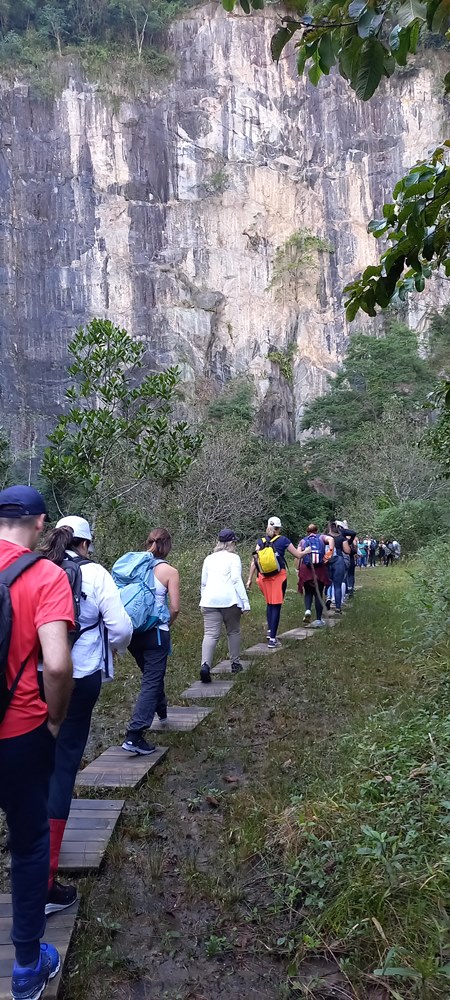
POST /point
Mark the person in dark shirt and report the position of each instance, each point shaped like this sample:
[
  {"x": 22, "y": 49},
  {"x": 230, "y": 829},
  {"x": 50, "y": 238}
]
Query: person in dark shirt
[{"x": 273, "y": 587}]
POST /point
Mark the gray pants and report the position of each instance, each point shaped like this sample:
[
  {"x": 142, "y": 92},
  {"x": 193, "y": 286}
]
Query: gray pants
[{"x": 212, "y": 621}]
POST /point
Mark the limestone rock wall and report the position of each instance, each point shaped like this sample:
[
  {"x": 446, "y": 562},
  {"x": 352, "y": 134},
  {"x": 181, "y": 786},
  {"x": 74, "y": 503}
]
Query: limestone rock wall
[{"x": 165, "y": 215}]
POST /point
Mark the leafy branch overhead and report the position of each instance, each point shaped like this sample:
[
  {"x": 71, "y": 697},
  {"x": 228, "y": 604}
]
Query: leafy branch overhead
[
  {"x": 367, "y": 40},
  {"x": 417, "y": 224}
]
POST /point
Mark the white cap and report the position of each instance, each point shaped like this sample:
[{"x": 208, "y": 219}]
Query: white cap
[
  {"x": 80, "y": 527},
  {"x": 342, "y": 524},
  {"x": 274, "y": 522}
]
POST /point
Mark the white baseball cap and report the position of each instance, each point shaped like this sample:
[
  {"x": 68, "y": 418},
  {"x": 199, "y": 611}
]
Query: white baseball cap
[
  {"x": 274, "y": 522},
  {"x": 80, "y": 527}
]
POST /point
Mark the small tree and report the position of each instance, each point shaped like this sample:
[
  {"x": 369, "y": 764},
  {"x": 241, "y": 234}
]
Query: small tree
[
  {"x": 54, "y": 22},
  {"x": 118, "y": 434}
]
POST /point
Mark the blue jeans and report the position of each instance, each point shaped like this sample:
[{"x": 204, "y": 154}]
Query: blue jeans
[
  {"x": 26, "y": 763},
  {"x": 150, "y": 650},
  {"x": 351, "y": 578},
  {"x": 337, "y": 570},
  {"x": 71, "y": 742}
]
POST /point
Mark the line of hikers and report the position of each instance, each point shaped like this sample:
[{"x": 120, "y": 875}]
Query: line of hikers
[
  {"x": 61, "y": 617},
  {"x": 385, "y": 552}
]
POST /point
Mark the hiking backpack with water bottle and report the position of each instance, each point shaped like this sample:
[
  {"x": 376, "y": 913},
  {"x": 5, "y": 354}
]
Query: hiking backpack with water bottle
[{"x": 134, "y": 576}]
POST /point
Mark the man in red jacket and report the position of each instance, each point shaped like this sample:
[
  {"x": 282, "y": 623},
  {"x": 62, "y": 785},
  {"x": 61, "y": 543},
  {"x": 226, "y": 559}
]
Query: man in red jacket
[{"x": 42, "y": 612}]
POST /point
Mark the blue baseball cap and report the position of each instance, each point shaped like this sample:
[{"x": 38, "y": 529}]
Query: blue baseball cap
[{"x": 21, "y": 501}]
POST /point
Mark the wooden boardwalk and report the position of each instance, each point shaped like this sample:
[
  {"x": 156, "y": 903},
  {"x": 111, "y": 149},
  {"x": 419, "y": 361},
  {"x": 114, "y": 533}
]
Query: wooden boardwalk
[
  {"x": 217, "y": 689},
  {"x": 297, "y": 633},
  {"x": 59, "y": 931},
  {"x": 116, "y": 768},
  {"x": 89, "y": 829},
  {"x": 180, "y": 720}
]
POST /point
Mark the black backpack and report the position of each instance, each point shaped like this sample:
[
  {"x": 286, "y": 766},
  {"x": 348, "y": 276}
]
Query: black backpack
[
  {"x": 72, "y": 568},
  {"x": 7, "y": 578}
]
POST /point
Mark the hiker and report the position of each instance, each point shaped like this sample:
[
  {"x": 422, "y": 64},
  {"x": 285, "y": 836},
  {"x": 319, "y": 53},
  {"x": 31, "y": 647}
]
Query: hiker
[
  {"x": 372, "y": 552},
  {"x": 390, "y": 553},
  {"x": 148, "y": 585},
  {"x": 313, "y": 575},
  {"x": 349, "y": 549},
  {"x": 223, "y": 600},
  {"x": 269, "y": 564},
  {"x": 397, "y": 549},
  {"x": 36, "y": 611},
  {"x": 336, "y": 565},
  {"x": 382, "y": 552},
  {"x": 361, "y": 555},
  {"x": 102, "y": 625}
]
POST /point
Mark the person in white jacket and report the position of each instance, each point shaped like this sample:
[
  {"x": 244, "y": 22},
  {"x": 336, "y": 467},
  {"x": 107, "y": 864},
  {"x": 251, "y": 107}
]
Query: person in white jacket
[
  {"x": 103, "y": 626},
  {"x": 223, "y": 600}
]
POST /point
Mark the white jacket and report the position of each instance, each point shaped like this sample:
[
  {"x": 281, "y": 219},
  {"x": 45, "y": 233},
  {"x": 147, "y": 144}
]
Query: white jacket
[
  {"x": 93, "y": 649},
  {"x": 222, "y": 584}
]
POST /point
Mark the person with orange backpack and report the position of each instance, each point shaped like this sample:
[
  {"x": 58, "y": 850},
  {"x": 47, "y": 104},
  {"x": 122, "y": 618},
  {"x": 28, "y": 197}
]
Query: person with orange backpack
[{"x": 269, "y": 566}]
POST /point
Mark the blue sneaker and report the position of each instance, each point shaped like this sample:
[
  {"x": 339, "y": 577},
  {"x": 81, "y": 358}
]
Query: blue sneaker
[{"x": 29, "y": 984}]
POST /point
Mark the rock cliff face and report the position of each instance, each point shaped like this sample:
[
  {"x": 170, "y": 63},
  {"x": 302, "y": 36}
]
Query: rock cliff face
[{"x": 173, "y": 217}]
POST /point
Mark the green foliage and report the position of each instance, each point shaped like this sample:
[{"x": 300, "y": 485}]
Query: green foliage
[
  {"x": 29, "y": 28},
  {"x": 5, "y": 460},
  {"x": 367, "y": 41},
  {"x": 217, "y": 182},
  {"x": 417, "y": 224},
  {"x": 234, "y": 408},
  {"x": 284, "y": 360},
  {"x": 367, "y": 860},
  {"x": 426, "y": 601},
  {"x": 375, "y": 372},
  {"x": 415, "y": 522},
  {"x": 118, "y": 433},
  {"x": 297, "y": 254}
]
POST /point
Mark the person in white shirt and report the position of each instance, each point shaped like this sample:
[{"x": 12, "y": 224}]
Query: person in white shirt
[
  {"x": 103, "y": 626},
  {"x": 223, "y": 600}
]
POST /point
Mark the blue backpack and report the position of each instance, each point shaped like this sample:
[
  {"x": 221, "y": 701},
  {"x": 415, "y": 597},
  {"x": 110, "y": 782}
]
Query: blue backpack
[
  {"x": 134, "y": 576},
  {"x": 317, "y": 554}
]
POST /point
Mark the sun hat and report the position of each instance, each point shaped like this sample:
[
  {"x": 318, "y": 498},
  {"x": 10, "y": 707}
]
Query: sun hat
[
  {"x": 21, "y": 501},
  {"x": 227, "y": 535},
  {"x": 80, "y": 527}
]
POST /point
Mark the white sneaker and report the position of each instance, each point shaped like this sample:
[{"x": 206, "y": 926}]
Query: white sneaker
[
  {"x": 307, "y": 618},
  {"x": 319, "y": 623}
]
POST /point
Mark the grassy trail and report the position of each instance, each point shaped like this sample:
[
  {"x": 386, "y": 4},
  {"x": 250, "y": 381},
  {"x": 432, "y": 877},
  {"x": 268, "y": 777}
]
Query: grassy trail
[{"x": 188, "y": 906}]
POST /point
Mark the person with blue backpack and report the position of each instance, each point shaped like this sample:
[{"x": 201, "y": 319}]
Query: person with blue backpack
[
  {"x": 148, "y": 585},
  {"x": 313, "y": 574}
]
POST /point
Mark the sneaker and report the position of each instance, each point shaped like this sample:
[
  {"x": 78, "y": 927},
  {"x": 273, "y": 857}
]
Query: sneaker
[
  {"x": 307, "y": 618},
  {"x": 328, "y": 603},
  {"x": 268, "y": 633},
  {"x": 236, "y": 667},
  {"x": 319, "y": 623},
  {"x": 273, "y": 643},
  {"x": 162, "y": 716},
  {"x": 205, "y": 674},
  {"x": 29, "y": 984},
  {"x": 60, "y": 897},
  {"x": 135, "y": 743}
]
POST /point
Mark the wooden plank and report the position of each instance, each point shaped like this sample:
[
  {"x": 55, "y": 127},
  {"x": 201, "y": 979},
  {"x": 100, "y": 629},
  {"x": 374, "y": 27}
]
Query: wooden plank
[
  {"x": 297, "y": 633},
  {"x": 87, "y": 834},
  {"x": 116, "y": 768},
  {"x": 217, "y": 689},
  {"x": 180, "y": 719},
  {"x": 261, "y": 649},
  {"x": 224, "y": 667},
  {"x": 60, "y": 927}
]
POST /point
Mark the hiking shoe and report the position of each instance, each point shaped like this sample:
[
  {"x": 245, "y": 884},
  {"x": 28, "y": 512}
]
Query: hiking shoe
[
  {"x": 328, "y": 603},
  {"x": 273, "y": 643},
  {"x": 205, "y": 674},
  {"x": 29, "y": 984},
  {"x": 162, "y": 716},
  {"x": 60, "y": 897},
  {"x": 236, "y": 667},
  {"x": 135, "y": 743},
  {"x": 307, "y": 618},
  {"x": 319, "y": 623}
]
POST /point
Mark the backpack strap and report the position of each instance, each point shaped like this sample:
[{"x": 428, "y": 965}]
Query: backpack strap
[{"x": 11, "y": 574}]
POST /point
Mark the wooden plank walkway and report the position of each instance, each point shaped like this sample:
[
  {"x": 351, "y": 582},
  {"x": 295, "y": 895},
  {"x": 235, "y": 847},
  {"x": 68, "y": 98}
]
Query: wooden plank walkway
[
  {"x": 89, "y": 829},
  {"x": 297, "y": 633},
  {"x": 180, "y": 720},
  {"x": 59, "y": 931},
  {"x": 224, "y": 667},
  {"x": 217, "y": 689},
  {"x": 116, "y": 768},
  {"x": 261, "y": 649}
]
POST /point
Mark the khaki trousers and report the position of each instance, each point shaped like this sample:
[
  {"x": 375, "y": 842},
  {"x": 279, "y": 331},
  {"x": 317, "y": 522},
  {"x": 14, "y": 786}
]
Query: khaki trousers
[{"x": 212, "y": 621}]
